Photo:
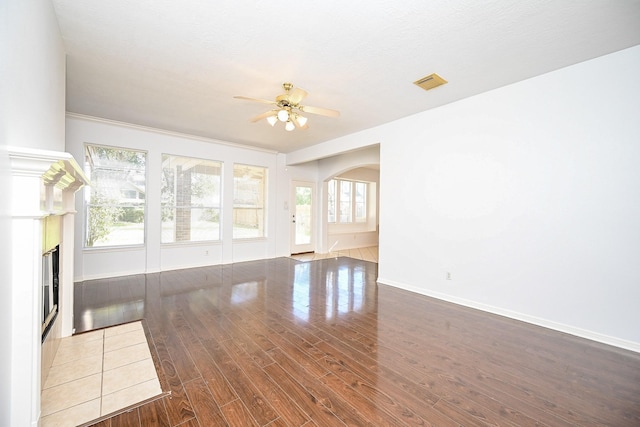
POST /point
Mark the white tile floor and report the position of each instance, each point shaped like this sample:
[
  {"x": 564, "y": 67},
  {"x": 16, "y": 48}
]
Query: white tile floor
[
  {"x": 366, "y": 254},
  {"x": 97, "y": 373}
]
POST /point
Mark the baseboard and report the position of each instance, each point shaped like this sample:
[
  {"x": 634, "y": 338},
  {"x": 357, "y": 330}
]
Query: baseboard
[
  {"x": 159, "y": 270},
  {"x": 545, "y": 323},
  {"x": 107, "y": 275}
]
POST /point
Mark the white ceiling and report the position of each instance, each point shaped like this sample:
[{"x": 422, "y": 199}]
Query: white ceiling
[{"x": 176, "y": 65}]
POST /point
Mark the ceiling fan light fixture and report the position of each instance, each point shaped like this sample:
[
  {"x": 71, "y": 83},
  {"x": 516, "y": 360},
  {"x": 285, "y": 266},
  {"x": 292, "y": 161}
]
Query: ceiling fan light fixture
[
  {"x": 287, "y": 108},
  {"x": 283, "y": 115}
]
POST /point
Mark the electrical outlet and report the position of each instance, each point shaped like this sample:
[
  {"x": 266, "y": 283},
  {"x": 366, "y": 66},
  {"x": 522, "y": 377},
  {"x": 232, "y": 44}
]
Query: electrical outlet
[
  {"x": 206, "y": 253},
  {"x": 448, "y": 275}
]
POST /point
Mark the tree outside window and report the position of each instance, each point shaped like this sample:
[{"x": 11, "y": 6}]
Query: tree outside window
[{"x": 115, "y": 201}]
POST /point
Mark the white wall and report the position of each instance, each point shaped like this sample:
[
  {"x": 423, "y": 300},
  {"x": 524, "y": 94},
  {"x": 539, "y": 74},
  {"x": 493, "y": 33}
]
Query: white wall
[
  {"x": 33, "y": 75},
  {"x": 5, "y": 279},
  {"x": 32, "y": 66},
  {"x": 153, "y": 257},
  {"x": 366, "y": 155},
  {"x": 528, "y": 195}
]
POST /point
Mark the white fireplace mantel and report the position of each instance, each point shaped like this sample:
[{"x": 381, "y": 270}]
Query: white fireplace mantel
[
  {"x": 43, "y": 183},
  {"x": 31, "y": 169}
]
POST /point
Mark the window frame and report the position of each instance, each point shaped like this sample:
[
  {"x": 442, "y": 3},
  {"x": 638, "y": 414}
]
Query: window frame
[
  {"x": 332, "y": 188},
  {"x": 336, "y": 185},
  {"x": 191, "y": 207},
  {"x": 86, "y": 204}
]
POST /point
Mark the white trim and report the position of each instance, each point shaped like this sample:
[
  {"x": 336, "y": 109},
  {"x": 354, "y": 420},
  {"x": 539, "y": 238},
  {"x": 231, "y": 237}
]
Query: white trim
[
  {"x": 166, "y": 132},
  {"x": 191, "y": 243},
  {"x": 248, "y": 239},
  {"x": 582, "y": 333},
  {"x": 162, "y": 270},
  {"x": 34, "y": 162},
  {"x": 109, "y": 276},
  {"x": 114, "y": 248}
]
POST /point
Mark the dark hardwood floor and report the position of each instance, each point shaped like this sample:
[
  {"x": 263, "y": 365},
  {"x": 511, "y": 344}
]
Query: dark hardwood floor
[{"x": 287, "y": 343}]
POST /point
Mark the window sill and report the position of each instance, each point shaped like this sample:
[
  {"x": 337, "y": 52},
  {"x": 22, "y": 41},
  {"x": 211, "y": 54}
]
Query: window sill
[
  {"x": 250, "y": 240},
  {"x": 192, "y": 243},
  {"x": 114, "y": 248}
]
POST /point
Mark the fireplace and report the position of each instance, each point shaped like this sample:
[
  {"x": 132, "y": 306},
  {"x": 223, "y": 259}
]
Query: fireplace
[{"x": 43, "y": 187}]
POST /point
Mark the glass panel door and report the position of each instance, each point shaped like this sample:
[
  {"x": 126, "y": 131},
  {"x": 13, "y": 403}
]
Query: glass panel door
[{"x": 302, "y": 217}]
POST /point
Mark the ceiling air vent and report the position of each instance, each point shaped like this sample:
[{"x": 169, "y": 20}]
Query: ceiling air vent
[{"x": 430, "y": 81}]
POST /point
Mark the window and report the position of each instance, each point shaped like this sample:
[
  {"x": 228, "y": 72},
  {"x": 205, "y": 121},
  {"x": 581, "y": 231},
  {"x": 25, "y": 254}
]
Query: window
[
  {"x": 331, "y": 197},
  {"x": 347, "y": 201},
  {"x": 190, "y": 199},
  {"x": 344, "y": 200},
  {"x": 360, "y": 201},
  {"x": 115, "y": 201},
  {"x": 249, "y": 201}
]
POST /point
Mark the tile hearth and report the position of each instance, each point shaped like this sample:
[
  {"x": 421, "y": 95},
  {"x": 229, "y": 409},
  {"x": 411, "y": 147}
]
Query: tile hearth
[{"x": 98, "y": 373}]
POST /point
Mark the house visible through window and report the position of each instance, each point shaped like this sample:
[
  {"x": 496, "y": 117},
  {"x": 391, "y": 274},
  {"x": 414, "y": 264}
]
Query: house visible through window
[
  {"x": 249, "y": 201},
  {"x": 190, "y": 199},
  {"x": 347, "y": 201},
  {"x": 115, "y": 201}
]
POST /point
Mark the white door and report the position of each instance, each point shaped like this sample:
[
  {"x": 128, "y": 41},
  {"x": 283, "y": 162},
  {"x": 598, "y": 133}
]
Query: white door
[{"x": 302, "y": 218}]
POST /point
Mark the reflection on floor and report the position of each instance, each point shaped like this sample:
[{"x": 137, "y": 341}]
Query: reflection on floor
[
  {"x": 365, "y": 254},
  {"x": 280, "y": 342},
  {"x": 98, "y": 373}
]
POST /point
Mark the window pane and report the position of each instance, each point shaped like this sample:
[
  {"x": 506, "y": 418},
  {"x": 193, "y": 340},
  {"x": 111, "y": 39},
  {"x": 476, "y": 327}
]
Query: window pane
[
  {"x": 361, "y": 201},
  {"x": 190, "y": 198},
  {"x": 168, "y": 224},
  {"x": 115, "y": 201},
  {"x": 205, "y": 224},
  {"x": 303, "y": 215},
  {"x": 345, "y": 201},
  {"x": 331, "y": 196},
  {"x": 249, "y": 204}
]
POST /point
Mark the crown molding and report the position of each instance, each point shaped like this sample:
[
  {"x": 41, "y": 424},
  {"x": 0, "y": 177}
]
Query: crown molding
[{"x": 166, "y": 132}]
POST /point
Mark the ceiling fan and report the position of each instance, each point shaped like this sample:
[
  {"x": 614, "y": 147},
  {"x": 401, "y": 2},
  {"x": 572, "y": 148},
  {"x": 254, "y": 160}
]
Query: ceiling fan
[{"x": 288, "y": 109}]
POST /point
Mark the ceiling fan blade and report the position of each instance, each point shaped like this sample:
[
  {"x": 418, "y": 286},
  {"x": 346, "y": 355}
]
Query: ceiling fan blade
[
  {"x": 263, "y": 116},
  {"x": 297, "y": 95},
  {"x": 246, "y": 98},
  {"x": 320, "y": 111},
  {"x": 295, "y": 121}
]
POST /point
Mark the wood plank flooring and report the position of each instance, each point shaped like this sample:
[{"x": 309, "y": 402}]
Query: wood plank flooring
[{"x": 288, "y": 343}]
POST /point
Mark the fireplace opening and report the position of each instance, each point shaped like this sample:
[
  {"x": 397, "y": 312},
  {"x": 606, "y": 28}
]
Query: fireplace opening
[
  {"x": 50, "y": 288},
  {"x": 51, "y": 238}
]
